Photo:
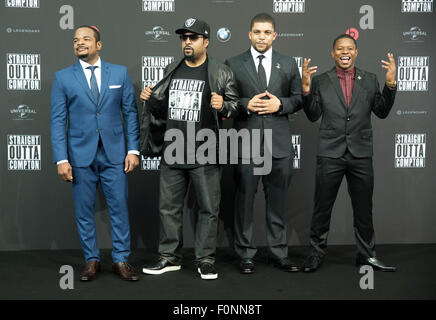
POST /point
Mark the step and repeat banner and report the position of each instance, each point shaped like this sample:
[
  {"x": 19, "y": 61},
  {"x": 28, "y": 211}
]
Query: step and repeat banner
[{"x": 36, "y": 40}]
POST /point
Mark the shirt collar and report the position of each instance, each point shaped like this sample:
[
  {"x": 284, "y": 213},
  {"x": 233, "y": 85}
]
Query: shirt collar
[
  {"x": 86, "y": 64},
  {"x": 255, "y": 53},
  {"x": 343, "y": 73}
]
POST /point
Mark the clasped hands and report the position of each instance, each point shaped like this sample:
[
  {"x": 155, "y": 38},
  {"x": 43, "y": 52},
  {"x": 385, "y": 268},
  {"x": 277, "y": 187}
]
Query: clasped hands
[{"x": 264, "y": 106}]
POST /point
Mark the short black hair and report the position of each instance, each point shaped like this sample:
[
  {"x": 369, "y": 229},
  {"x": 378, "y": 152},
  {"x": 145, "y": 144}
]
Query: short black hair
[
  {"x": 344, "y": 36},
  {"x": 93, "y": 28},
  {"x": 262, "y": 17}
]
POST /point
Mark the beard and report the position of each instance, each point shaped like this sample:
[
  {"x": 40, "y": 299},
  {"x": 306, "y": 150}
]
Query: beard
[{"x": 189, "y": 57}]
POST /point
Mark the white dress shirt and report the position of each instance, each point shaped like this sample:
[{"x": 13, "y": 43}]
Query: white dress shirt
[
  {"x": 88, "y": 74},
  {"x": 266, "y": 62}
]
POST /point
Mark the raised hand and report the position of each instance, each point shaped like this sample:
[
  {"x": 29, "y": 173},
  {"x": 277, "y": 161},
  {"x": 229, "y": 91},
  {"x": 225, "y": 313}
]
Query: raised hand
[
  {"x": 307, "y": 74},
  {"x": 391, "y": 70}
]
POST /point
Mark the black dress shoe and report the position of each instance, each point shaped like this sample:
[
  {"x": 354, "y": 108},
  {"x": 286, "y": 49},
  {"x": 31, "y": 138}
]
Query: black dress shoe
[
  {"x": 246, "y": 266},
  {"x": 286, "y": 264},
  {"x": 375, "y": 264},
  {"x": 312, "y": 263},
  {"x": 161, "y": 266}
]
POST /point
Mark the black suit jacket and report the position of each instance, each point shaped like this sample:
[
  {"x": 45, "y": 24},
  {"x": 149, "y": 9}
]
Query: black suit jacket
[
  {"x": 284, "y": 83},
  {"x": 345, "y": 127}
]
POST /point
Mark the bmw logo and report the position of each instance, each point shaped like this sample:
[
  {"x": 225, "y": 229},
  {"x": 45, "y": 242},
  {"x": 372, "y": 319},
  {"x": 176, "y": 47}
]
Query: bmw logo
[{"x": 223, "y": 34}]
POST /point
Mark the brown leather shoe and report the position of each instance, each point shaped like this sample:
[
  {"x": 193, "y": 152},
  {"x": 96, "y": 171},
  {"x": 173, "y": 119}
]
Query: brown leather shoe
[
  {"x": 125, "y": 271},
  {"x": 90, "y": 271}
]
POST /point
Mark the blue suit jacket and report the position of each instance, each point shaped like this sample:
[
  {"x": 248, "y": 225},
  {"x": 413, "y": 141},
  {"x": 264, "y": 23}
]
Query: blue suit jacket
[{"x": 72, "y": 103}]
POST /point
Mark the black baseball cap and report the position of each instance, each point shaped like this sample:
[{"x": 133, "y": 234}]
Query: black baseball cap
[{"x": 196, "y": 26}]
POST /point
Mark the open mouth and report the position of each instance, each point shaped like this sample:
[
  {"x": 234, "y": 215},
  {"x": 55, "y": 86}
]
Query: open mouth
[{"x": 345, "y": 59}]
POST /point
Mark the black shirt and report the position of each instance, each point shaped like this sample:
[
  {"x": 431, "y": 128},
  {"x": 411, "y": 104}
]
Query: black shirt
[{"x": 189, "y": 111}]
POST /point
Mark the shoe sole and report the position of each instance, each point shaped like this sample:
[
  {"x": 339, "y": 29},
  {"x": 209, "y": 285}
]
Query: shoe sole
[
  {"x": 208, "y": 276},
  {"x": 163, "y": 270}
]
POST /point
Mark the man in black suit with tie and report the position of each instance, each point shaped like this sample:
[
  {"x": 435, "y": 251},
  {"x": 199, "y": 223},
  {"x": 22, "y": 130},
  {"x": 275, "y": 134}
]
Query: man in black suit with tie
[
  {"x": 269, "y": 86},
  {"x": 345, "y": 96}
]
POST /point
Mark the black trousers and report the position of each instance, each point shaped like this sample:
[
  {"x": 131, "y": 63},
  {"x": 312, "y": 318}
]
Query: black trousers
[
  {"x": 172, "y": 191},
  {"x": 275, "y": 187},
  {"x": 360, "y": 179}
]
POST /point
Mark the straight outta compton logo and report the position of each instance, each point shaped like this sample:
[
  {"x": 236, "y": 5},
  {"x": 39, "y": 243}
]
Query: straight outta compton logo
[
  {"x": 153, "y": 69},
  {"x": 24, "y": 152},
  {"x": 410, "y": 150},
  {"x": 413, "y": 73},
  {"x": 296, "y": 145},
  {"x": 158, "y": 6},
  {"x": 417, "y": 6},
  {"x": 150, "y": 163},
  {"x": 289, "y": 6},
  {"x": 22, "y": 3},
  {"x": 299, "y": 61},
  {"x": 23, "y": 71}
]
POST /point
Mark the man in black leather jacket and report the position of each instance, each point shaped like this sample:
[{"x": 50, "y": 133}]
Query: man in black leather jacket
[{"x": 192, "y": 97}]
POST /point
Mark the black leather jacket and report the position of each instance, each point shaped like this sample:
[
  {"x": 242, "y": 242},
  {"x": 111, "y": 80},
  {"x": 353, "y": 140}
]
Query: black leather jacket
[{"x": 155, "y": 110}]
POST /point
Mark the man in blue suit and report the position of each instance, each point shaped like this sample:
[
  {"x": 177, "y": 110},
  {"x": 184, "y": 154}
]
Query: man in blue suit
[{"x": 89, "y": 145}]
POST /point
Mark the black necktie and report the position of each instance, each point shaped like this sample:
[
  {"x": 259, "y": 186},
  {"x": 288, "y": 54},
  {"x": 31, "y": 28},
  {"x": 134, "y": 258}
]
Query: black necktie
[
  {"x": 93, "y": 82},
  {"x": 261, "y": 73}
]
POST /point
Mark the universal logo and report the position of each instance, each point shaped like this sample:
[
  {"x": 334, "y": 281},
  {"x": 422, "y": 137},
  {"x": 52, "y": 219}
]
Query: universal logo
[
  {"x": 22, "y": 3},
  {"x": 158, "y": 33},
  {"x": 23, "y": 112},
  {"x": 21, "y": 30},
  {"x": 223, "y": 34},
  {"x": 415, "y": 34}
]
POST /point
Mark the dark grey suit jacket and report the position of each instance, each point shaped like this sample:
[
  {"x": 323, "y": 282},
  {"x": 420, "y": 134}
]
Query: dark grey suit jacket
[
  {"x": 284, "y": 83},
  {"x": 345, "y": 127}
]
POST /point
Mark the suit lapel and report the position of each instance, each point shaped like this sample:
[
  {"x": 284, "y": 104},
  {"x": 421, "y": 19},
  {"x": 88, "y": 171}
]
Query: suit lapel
[
  {"x": 105, "y": 73},
  {"x": 335, "y": 82},
  {"x": 275, "y": 66},
  {"x": 251, "y": 69},
  {"x": 80, "y": 76},
  {"x": 357, "y": 89}
]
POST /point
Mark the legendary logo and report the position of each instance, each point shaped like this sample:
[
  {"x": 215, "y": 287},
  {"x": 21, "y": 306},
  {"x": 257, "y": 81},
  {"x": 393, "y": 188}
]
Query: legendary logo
[
  {"x": 289, "y": 6},
  {"x": 415, "y": 34},
  {"x": 158, "y": 6},
  {"x": 21, "y": 30},
  {"x": 153, "y": 69},
  {"x": 417, "y": 6},
  {"x": 23, "y": 71},
  {"x": 410, "y": 150},
  {"x": 224, "y": 34},
  {"x": 157, "y": 34},
  {"x": 296, "y": 146},
  {"x": 24, "y": 152},
  {"x": 22, "y": 3},
  {"x": 23, "y": 112},
  {"x": 413, "y": 73},
  {"x": 150, "y": 164}
]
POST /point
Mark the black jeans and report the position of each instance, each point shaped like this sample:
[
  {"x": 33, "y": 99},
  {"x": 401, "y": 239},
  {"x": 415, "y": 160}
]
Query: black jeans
[
  {"x": 360, "y": 179},
  {"x": 172, "y": 191}
]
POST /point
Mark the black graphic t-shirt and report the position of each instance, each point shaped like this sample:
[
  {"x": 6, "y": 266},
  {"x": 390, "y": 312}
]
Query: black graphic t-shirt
[{"x": 189, "y": 110}]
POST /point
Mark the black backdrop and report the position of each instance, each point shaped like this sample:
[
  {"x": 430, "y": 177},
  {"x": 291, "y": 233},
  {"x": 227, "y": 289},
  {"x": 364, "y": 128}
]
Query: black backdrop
[{"x": 36, "y": 40}]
